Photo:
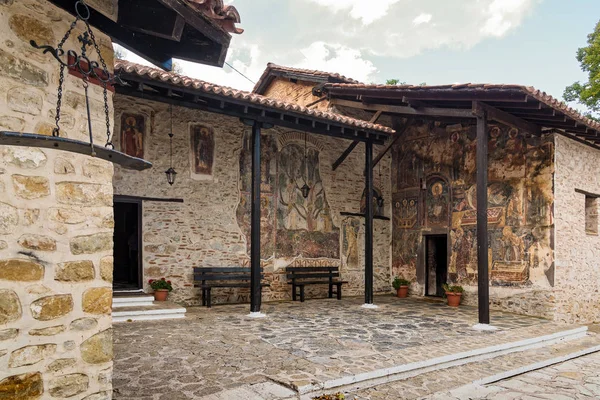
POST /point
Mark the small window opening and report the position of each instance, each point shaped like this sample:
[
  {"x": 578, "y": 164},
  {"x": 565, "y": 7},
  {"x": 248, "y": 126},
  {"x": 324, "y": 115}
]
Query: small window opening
[{"x": 591, "y": 215}]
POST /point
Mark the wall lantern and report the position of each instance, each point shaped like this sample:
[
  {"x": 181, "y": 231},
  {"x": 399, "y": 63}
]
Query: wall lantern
[{"x": 305, "y": 189}]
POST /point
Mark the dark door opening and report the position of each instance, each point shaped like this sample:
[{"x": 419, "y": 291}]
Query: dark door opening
[
  {"x": 436, "y": 264},
  {"x": 127, "y": 274}
]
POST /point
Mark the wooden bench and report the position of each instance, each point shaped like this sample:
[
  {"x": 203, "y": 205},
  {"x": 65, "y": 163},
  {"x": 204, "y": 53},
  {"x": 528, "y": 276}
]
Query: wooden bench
[
  {"x": 299, "y": 277},
  {"x": 229, "y": 277}
]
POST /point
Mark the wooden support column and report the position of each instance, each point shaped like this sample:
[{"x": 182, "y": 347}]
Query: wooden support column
[
  {"x": 483, "y": 292},
  {"x": 255, "y": 270},
  {"x": 369, "y": 224}
]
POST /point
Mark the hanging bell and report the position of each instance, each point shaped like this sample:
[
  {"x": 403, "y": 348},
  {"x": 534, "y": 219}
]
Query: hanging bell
[{"x": 305, "y": 191}]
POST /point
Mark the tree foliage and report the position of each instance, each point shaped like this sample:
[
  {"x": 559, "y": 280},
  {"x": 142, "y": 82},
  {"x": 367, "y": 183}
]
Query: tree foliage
[{"x": 588, "y": 93}]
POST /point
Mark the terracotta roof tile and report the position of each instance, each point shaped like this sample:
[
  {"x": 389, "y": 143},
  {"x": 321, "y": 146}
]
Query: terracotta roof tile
[
  {"x": 220, "y": 14},
  {"x": 537, "y": 94},
  {"x": 122, "y": 66},
  {"x": 271, "y": 68}
]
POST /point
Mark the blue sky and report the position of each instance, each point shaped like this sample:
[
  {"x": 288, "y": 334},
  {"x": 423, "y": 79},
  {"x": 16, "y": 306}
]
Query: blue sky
[{"x": 531, "y": 42}]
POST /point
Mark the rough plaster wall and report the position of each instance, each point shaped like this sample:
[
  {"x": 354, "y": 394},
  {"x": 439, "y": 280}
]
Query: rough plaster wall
[
  {"x": 577, "y": 252},
  {"x": 204, "y": 231},
  {"x": 56, "y": 222},
  {"x": 299, "y": 92}
]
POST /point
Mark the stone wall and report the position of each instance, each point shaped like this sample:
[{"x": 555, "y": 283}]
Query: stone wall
[
  {"x": 56, "y": 223},
  {"x": 299, "y": 92},
  {"x": 211, "y": 227},
  {"x": 577, "y": 251},
  {"x": 434, "y": 193}
]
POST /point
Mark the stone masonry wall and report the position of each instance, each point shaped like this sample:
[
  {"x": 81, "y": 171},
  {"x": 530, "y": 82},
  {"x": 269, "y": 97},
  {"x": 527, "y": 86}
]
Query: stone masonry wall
[
  {"x": 56, "y": 223},
  {"x": 299, "y": 92},
  {"x": 210, "y": 228},
  {"x": 577, "y": 251}
]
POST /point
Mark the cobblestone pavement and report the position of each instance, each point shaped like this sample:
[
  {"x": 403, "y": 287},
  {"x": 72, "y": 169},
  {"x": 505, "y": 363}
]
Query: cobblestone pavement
[
  {"x": 298, "y": 343},
  {"x": 575, "y": 379}
]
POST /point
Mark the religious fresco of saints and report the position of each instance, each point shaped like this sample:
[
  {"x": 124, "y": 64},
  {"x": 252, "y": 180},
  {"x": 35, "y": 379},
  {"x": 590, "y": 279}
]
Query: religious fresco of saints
[
  {"x": 132, "y": 135},
  {"x": 203, "y": 150},
  {"x": 437, "y": 202}
]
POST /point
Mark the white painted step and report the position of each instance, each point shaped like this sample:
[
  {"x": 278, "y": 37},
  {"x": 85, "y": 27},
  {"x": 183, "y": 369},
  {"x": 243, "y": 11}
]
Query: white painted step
[
  {"x": 133, "y": 301},
  {"x": 157, "y": 311}
]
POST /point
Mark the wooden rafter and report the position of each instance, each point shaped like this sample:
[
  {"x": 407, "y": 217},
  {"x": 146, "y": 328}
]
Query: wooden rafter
[
  {"x": 399, "y": 133},
  {"x": 403, "y": 110},
  {"x": 505, "y": 118},
  {"x": 344, "y": 155}
]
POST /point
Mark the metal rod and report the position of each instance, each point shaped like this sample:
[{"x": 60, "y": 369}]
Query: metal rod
[
  {"x": 255, "y": 288},
  {"x": 89, "y": 117},
  {"x": 483, "y": 292},
  {"x": 369, "y": 224}
]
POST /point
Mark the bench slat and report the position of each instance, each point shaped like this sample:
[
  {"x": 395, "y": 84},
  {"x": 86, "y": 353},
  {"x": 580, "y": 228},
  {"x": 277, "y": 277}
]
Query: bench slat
[
  {"x": 316, "y": 282},
  {"x": 225, "y": 285},
  {"x": 312, "y": 276},
  {"x": 308, "y": 269},
  {"x": 224, "y": 277},
  {"x": 200, "y": 270}
]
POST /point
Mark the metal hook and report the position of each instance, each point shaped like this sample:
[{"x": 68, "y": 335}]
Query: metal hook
[{"x": 85, "y": 8}]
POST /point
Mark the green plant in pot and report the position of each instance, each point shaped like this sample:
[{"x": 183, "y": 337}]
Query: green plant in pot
[
  {"x": 401, "y": 285},
  {"x": 453, "y": 294},
  {"x": 161, "y": 288}
]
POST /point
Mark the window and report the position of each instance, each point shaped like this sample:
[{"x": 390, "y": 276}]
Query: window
[{"x": 591, "y": 215}]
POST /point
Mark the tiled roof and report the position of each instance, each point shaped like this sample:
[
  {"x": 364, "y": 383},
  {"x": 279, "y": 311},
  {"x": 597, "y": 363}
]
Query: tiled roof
[
  {"x": 536, "y": 94},
  {"x": 309, "y": 73},
  {"x": 122, "y": 66},
  {"x": 222, "y": 15}
]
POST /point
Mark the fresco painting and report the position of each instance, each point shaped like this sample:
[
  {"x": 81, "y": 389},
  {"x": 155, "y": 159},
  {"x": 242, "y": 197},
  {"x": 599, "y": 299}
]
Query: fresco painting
[
  {"x": 291, "y": 225},
  {"x": 132, "y": 134},
  {"x": 350, "y": 246},
  {"x": 434, "y": 171},
  {"x": 203, "y": 149}
]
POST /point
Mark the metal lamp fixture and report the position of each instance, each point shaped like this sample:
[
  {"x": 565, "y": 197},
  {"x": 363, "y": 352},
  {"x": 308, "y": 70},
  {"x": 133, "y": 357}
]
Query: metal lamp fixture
[
  {"x": 171, "y": 173},
  {"x": 305, "y": 189}
]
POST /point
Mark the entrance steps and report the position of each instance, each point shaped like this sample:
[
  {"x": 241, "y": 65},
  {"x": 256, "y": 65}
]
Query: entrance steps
[
  {"x": 449, "y": 372},
  {"x": 142, "y": 307}
]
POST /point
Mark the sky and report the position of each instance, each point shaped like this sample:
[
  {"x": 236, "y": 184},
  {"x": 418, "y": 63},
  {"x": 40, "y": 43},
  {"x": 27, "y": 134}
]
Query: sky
[{"x": 529, "y": 42}]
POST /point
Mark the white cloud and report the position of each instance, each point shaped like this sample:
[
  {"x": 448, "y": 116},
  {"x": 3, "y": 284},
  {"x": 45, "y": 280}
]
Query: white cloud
[
  {"x": 503, "y": 15},
  {"x": 422, "y": 18},
  {"x": 368, "y": 11},
  {"x": 337, "y": 58}
]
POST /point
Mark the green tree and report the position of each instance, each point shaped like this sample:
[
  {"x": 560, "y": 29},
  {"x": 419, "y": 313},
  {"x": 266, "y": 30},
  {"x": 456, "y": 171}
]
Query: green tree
[
  {"x": 588, "y": 93},
  {"x": 394, "y": 82}
]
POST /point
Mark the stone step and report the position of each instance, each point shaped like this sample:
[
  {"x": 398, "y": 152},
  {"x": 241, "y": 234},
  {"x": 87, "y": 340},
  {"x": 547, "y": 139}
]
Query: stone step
[
  {"x": 462, "y": 380},
  {"x": 132, "y": 301},
  {"x": 407, "y": 374},
  {"x": 157, "y": 310}
]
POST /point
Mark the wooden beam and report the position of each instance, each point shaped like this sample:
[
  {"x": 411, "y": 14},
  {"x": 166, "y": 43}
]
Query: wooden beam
[
  {"x": 483, "y": 283},
  {"x": 126, "y": 198},
  {"x": 344, "y": 155},
  {"x": 255, "y": 268},
  {"x": 389, "y": 145},
  {"x": 505, "y": 118},
  {"x": 369, "y": 224},
  {"x": 402, "y": 110},
  {"x": 414, "y": 103},
  {"x": 376, "y": 117}
]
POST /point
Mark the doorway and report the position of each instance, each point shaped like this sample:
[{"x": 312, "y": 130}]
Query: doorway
[
  {"x": 436, "y": 264},
  {"x": 127, "y": 273}
]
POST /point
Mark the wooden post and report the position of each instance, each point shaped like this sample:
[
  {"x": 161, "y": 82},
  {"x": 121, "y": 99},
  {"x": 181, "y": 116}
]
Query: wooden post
[
  {"x": 255, "y": 271},
  {"x": 483, "y": 292},
  {"x": 369, "y": 224}
]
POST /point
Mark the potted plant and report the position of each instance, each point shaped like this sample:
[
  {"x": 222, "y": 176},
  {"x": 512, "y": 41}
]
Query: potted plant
[
  {"x": 161, "y": 288},
  {"x": 453, "y": 294},
  {"x": 336, "y": 396},
  {"x": 401, "y": 285}
]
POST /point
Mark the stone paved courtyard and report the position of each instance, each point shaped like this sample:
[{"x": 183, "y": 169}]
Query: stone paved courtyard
[{"x": 220, "y": 349}]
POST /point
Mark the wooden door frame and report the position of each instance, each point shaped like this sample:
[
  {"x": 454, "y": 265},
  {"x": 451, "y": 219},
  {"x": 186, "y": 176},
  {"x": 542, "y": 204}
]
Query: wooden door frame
[{"x": 426, "y": 236}]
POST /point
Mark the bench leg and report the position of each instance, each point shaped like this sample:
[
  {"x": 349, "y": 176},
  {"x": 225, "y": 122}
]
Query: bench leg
[
  {"x": 331, "y": 290},
  {"x": 208, "y": 303},
  {"x": 339, "y": 291},
  {"x": 293, "y": 292},
  {"x": 302, "y": 294},
  {"x": 203, "y": 297}
]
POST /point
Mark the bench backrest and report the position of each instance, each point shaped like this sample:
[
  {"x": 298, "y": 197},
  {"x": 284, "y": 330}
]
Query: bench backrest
[
  {"x": 223, "y": 274},
  {"x": 302, "y": 273}
]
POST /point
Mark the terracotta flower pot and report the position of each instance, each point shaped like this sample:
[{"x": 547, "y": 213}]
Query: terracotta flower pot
[
  {"x": 402, "y": 292},
  {"x": 453, "y": 299},
  {"x": 161, "y": 294}
]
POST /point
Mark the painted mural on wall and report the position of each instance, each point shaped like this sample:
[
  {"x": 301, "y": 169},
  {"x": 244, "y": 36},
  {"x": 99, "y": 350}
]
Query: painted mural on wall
[
  {"x": 350, "y": 245},
  {"x": 202, "y": 149},
  {"x": 378, "y": 202},
  {"x": 132, "y": 134},
  {"x": 434, "y": 174},
  {"x": 304, "y": 225}
]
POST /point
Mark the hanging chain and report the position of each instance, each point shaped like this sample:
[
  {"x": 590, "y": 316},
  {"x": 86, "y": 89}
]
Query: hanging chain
[{"x": 61, "y": 79}]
